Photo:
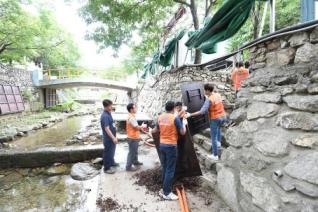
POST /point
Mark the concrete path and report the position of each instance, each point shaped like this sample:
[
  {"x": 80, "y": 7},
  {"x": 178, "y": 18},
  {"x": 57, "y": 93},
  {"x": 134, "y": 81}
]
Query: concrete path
[{"x": 121, "y": 188}]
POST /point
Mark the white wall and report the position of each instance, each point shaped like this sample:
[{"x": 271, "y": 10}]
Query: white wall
[{"x": 221, "y": 51}]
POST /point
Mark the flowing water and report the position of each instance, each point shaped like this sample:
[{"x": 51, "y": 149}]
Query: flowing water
[
  {"x": 53, "y": 136},
  {"x": 26, "y": 190}
]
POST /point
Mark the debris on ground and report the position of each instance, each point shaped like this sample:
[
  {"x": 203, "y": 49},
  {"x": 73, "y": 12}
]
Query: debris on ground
[
  {"x": 107, "y": 204},
  {"x": 152, "y": 180}
]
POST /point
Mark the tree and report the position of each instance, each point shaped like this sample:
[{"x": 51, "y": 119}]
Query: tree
[
  {"x": 37, "y": 38},
  {"x": 115, "y": 23}
]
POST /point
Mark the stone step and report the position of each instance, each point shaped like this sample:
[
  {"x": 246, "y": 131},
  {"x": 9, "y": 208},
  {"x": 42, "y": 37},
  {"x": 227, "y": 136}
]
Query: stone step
[
  {"x": 209, "y": 180},
  {"x": 206, "y": 132},
  {"x": 203, "y": 141},
  {"x": 204, "y": 160}
]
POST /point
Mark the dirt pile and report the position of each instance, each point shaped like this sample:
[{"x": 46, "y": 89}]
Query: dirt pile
[
  {"x": 107, "y": 204},
  {"x": 152, "y": 180}
]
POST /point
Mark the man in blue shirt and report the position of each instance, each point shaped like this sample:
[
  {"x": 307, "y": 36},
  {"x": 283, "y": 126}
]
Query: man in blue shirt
[{"x": 109, "y": 137}]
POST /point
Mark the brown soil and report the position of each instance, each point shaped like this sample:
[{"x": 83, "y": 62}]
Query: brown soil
[
  {"x": 152, "y": 179},
  {"x": 107, "y": 204}
]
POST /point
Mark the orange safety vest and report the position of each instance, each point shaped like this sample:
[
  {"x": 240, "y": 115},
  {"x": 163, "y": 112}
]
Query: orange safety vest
[
  {"x": 132, "y": 132},
  {"x": 168, "y": 129},
  {"x": 238, "y": 76},
  {"x": 216, "y": 109}
]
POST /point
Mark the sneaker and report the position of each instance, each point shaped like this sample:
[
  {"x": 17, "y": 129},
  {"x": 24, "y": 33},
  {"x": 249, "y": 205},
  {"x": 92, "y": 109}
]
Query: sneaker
[
  {"x": 132, "y": 169},
  {"x": 170, "y": 196},
  {"x": 115, "y": 165},
  {"x": 110, "y": 171},
  {"x": 212, "y": 157},
  {"x": 138, "y": 163}
]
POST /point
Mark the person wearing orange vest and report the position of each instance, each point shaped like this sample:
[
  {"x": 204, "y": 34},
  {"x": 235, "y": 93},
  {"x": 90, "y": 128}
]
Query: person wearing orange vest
[
  {"x": 169, "y": 125},
  {"x": 179, "y": 110},
  {"x": 214, "y": 106},
  {"x": 133, "y": 135},
  {"x": 238, "y": 75}
]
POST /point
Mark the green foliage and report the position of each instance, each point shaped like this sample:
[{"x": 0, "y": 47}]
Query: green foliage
[
  {"x": 38, "y": 37},
  {"x": 118, "y": 22},
  {"x": 65, "y": 106},
  {"x": 287, "y": 14}
]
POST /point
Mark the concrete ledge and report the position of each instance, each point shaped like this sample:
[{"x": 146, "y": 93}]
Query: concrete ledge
[{"x": 48, "y": 156}]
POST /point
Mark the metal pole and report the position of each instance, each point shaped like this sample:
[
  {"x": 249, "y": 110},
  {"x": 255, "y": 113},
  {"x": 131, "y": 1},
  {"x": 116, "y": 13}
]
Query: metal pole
[
  {"x": 263, "y": 19},
  {"x": 273, "y": 15}
]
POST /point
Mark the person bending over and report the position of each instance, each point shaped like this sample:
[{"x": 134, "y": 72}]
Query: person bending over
[{"x": 169, "y": 125}]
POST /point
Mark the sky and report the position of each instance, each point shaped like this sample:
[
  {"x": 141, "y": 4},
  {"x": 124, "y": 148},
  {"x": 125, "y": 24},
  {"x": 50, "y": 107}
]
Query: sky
[{"x": 67, "y": 15}]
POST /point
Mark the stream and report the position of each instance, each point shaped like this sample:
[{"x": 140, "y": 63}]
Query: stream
[{"x": 53, "y": 136}]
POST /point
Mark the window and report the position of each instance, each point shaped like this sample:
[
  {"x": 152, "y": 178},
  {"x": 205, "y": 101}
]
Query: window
[
  {"x": 10, "y": 99},
  {"x": 316, "y": 9}
]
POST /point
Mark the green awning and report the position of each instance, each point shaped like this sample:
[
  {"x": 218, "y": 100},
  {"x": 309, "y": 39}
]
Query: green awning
[
  {"x": 169, "y": 50},
  {"x": 223, "y": 25},
  {"x": 165, "y": 58}
]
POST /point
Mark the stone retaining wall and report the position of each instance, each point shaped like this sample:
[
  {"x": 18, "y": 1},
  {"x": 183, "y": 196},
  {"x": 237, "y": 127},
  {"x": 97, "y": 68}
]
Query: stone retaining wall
[
  {"x": 153, "y": 95},
  {"x": 23, "y": 79},
  {"x": 272, "y": 161}
]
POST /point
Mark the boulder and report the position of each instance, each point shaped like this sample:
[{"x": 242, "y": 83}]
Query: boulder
[
  {"x": 263, "y": 195},
  {"x": 227, "y": 187},
  {"x": 272, "y": 142},
  {"x": 314, "y": 36},
  {"x": 261, "y": 110},
  {"x": 286, "y": 91},
  {"x": 268, "y": 97},
  {"x": 298, "y": 120},
  {"x": 281, "y": 57},
  {"x": 257, "y": 89},
  {"x": 314, "y": 77},
  {"x": 306, "y": 53},
  {"x": 237, "y": 139},
  {"x": 58, "y": 170},
  {"x": 298, "y": 39},
  {"x": 307, "y": 189},
  {"x": 304, "y": 168},
  {"x": 307, "y": 141},
  {"x": 238, "y": 115},
  {"x": 83, "y": 171},
  {"x": 25, "y": 129},
  {"x": 304, "y": 103},
  {"x": 313, "y": 88}
]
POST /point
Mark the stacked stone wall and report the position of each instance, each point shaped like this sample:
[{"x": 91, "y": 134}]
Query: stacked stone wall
[
  {"x": 272, "y": 161},
  {"x": 152, "y": 95},
  {"x": 23, "y": 79}
]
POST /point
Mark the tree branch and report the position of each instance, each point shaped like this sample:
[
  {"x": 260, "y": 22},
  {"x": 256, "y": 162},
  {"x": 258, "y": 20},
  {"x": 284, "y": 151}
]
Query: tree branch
[
  {"x": 182, "y": 2},
  {"x": 39, "y": 47},
  {"x": 4, "y": 46},
  {"x": 208, "y": 9}
]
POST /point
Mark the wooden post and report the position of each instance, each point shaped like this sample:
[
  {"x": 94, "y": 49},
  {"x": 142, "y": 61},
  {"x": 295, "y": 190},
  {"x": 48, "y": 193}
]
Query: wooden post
[{"x": 272, "y": 15}]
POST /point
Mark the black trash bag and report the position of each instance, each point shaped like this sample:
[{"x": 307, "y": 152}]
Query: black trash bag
[{"x": 187, "y": 161}]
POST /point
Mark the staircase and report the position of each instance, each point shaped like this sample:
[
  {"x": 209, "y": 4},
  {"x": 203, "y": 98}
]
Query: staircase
[{"x": 203, "y": 147}]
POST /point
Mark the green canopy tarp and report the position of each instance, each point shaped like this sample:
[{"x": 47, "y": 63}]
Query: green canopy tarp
[
  {"x": 223, "y": 25},
  {"x": 169, "y": 50},
  {"x": 164, "y": 58}
]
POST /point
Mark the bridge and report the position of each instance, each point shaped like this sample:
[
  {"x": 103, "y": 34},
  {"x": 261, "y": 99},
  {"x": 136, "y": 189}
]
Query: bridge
[
  {"x": 85, "y": 82},
  {"x": 51, "y": 80}
]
